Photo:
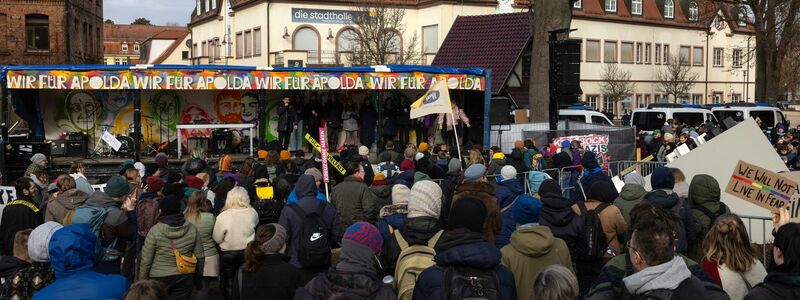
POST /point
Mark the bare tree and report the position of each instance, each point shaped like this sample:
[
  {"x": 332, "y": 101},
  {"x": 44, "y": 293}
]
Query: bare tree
[
  {"x": 378, "y": 38},
  {"x": 616, "y": 83},
  {"x": 677, "y": 78}
]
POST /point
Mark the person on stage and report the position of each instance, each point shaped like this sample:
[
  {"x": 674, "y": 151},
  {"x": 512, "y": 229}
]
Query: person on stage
[
  {"x": 287, "y": 122},
  {"x": 312, "y": 115},
  {"x": 459, "y": 118}
]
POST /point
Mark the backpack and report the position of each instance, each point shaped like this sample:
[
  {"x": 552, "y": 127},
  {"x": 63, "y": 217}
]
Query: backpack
[
  {"x": 411, "y": 262},
  {"x": 712, "y": 215},
  {"x": 462, "y": 282},
  {"x": 593, "y": 243},
  {"x": 681, "y": 244},
  {"x": 315, "y": 242},
  {"x": 266, "y": 204},
  {"x": 95, "y": 217},
  {"x": 537, "y": 162}
]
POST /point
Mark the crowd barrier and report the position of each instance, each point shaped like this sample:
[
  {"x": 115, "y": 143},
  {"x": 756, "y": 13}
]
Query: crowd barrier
[
  {"x": 622, "y": 168},
  {"x": 760, "y": 231}
]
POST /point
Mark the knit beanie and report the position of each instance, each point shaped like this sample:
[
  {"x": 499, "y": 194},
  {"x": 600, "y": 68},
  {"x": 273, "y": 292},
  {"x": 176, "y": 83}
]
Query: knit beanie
[
  {"x": 277, "y": 241},
  {"x": 162, "y": 159},
  {"x": 225, "y": 163},
  {"x": 140, "y": 167},
  {"x": 379, "y": 179},
  {"x": 154, "y": 184},
  {"x": 407, "y": 164},
  {"x": 508, "y": 172},
  {"x": 260, "y": 172},
  {"x": 550, "y": 187},
  {"x": 170, "y": 205},
  {"x": 527, "y": 210},
  {"x": 454, "y": 165},
  {"x": 262, "y": 154},
  {"x": 38, "y": 157},
  {"x": 468, "y": 213},
  {"x": 426, "y": 200},
  {"x": 39, "y": 241},
  {"x": 363, "y": 151},
  {"x": 365, "y": 234},
  {"x": 474, "y": 173},
  {"x": 603, "y": 191},
  {"x": 423, "y": 147},
  {"x": 589, "y": 161},
  {"x": 634, "y": 178},
  {"x": 194, "y": 182},
  {"x": 285, "y": 155},
  {"x": 419, "y": 176},
  {"x": 662, "y": 178},
  {"x": 117, "y": 187},
  {"x": 314, "y": 172},
  {"x": 535, "y": 179},
  {"x": 499, "y": 155}
]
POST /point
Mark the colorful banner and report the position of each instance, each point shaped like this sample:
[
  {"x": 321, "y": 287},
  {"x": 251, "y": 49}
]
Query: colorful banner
[
  {"x": 323, "y": 139},
  {"x": 201, "y": 80}
]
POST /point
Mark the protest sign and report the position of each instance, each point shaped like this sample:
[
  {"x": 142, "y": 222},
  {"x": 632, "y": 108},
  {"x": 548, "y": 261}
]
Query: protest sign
[
  {"x": 8, "y": 193},
  {"x": 760, "y": 186},
  {"x": 324, "y": 152},
  {"x": 336, "y": 165}
]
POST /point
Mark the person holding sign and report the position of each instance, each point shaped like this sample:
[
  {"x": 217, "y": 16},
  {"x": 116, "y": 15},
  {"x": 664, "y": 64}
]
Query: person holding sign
[{"x": 783, "y": 279}]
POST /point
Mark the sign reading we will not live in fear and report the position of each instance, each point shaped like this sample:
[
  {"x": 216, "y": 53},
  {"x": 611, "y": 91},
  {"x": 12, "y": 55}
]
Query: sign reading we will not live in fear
[{"x": 762, "y": 187}]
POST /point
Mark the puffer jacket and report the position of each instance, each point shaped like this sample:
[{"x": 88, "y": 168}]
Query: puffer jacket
[
  {"x": 355, "y": 202},
  {"x": 630, "y": 196},
  {"x": 495, "y": 165},
  {"x": 564, "y": 223},
  {"x": 507, "y": 192},
  {"x": 532, "y": 249},
  {"x": 158, "y": 260},
  {"x": 485, "y": 192},
  {"x": 72, "y": 258},
  {"x": 703, "y": 192},
  {"x": 59, "y": 207},
  {"x": 118, "y": 224},
  {"x": 205, "y": 227}
]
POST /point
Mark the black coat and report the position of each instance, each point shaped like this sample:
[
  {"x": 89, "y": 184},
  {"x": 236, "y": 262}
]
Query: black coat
[
  {"x": 333, "y": 114},
  {"x": 776, "y": 286},
  {"x": 309, "y": 119},
  {"x": 565, "y": 224},
  {"x": 16, "y": 217},
  {"x": 517, "y": 160},
  {"x": 274, "y": 278},
  {"x": 287, "y": 117},
  {"x": 562, "y": 160},
  {"x": 369, "y": 118},
  {"x": 448, "y": 184}
]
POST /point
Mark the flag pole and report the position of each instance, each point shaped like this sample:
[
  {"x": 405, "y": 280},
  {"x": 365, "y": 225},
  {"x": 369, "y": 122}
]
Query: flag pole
[{"x": 458, "y": 146}]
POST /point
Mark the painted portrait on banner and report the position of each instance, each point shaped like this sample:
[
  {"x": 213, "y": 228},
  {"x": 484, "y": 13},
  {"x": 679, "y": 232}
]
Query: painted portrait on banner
[
  {"x": 81, "y": 111},
  {"x": 228, "y": 106}
]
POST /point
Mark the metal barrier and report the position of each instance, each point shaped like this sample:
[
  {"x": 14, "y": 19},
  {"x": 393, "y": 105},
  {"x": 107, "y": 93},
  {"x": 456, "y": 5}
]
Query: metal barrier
[
  {"x": 622, "y": 168},
  {"x": 760, "y": 232},
  {"x": 525, "y": 174}
]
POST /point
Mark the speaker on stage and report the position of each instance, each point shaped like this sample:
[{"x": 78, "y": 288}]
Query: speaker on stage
[
  {"x": 220, "y": 142},
  {"x": 500, "y": 111},
  {"x": 77, "y": 145}
]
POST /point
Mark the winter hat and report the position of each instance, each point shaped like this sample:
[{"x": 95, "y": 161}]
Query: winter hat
[
  {"x": 52, "y": 188},
  {"x": 423, "y": 147},
  {"x": 656, "y": 132},
  {"x": 454, "y": 165},
  {"x": 39, "y": 241},
  {"x": 527, "y": 210},
  {"x": 508, "y": 172},
  {"x": 314, "y": 172},
  {"x": 603, "y": 191},
  {"x": 535, "y": 179},
  {"x": 162, "y": 159},
  {"x": 285, "y": 155},
  {"x": 419, "y": 156},
  {"x": 365, "y": 234},
  {"x": 634, "y": 178},
  {"x": 379, "y": 179},
  {"x": 170, "y": 205},
  {"x": 363, "y": 150},
  {"x": 565, "y": 144},
  {"x": 400, "y": 194},
  {"x": 499, "y": 155},
  {"x": 172, "y": 177},
  {"x": 426, "y": 200},
  {"x": 38, "y": 157},
  {"x": 419, "y": 176},
  {"x": 468, "y": 213},
  {"x": 140, "y": 167},
  {"x": 669, "y": 136},
  {"x": 589, "y": 161},
  {"x": 407, "y": 164},
  {"x": 117, "y": 187},
  {"x": 550, "y": 187},
  {"x": 662, "y": 178},
  {"x": 260, "y": 172},
  {"x": 262, "y": 154},
  {"x": 277, "y": 241},
  {"x": 154, "y": 184},
  {"x": 474, "y": 173},
  {"x": 194, "y": 182}
]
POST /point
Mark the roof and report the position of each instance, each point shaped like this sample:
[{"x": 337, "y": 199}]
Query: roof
[
  {"x": 135, "y": 33},
  {"x": 167, "y": 52},
  {"x": 493, "y": 42}
]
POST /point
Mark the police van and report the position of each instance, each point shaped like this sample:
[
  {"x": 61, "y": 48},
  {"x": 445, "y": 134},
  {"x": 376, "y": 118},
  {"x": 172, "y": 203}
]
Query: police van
[
  {"x": 769, "y": 116},
  {"x": 583, "y": 114},
  {"x": 656, "y": 115}
]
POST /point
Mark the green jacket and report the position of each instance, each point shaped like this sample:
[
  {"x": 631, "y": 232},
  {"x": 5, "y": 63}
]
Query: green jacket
[
  {"x": 630, "y": 196},
  {"x": 532, "y": 249},
  {"x": 158, "y": 259},
  {"x": 355, "y": 202},
  {"x": 205, "y": 226},
  {"x": 704, "y": 191}
]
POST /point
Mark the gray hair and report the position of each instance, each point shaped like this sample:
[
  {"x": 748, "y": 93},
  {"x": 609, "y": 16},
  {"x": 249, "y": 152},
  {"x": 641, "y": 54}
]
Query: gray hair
[{"x": 555, "y": 283}]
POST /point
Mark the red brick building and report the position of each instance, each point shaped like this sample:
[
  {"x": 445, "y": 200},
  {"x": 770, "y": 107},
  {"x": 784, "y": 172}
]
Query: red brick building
[{"x": 40, "y": 32}]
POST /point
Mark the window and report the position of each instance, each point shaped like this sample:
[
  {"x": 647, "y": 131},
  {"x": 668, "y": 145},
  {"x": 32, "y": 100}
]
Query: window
[
  {"x": 647, "y": 101},
  {"x": 213, "y": 4},
  {"x": 684, "y": 55},
  {"x": 611, "y": 5},
  {"x": 592, "y": 51},
  {"x": 124, "y": 47},
  {"x": 248, "y": 43},
  {"x": 609, "y": 105},
  {"x": 626, "y": 52},
  {"x": 591, "y": 101},
  {"x": 204, "y": 49},
  {"x": 669, "y": 9},
  {"x": 742, "y": 17},
  {"x": 647, "y": 53},
  {"x": 736, "y": 98},
  {"x": 718, "y": 57},
  {"x": 121, "y": 61},
  {"x": 199, "y": 8},
  {"x": 194, "y": 50},
  {"x": 136, "y": 48},
  {"x": 577, "y": 4},
  {"x": 185, "y": 55},
  {"x": 658, "y": 54},
  {"x": 666, "y": 54},
  {"x": 347, "y": 40},
  {"x": 307, "y": 39},
  {"x": 697, "y": 56},
  {"x": 600, "y": 120},
  {"x": 217, "y": 48},
  {"x": 208, "y": 6},
  {"x": 430, "y": 39},
  {"x": 649, "y": 120},
  {"x": 638, "y": 53},
  {"x": 697, "y": 99},
  {"x": 239, "y": 45},
  {"x": 716, "y": 98},
  {"x": 636, "y": 7},
  {"x": 37, "y": 31},
  {"x": 737, "y": 58},
  {"x": 610, "y": 52},
  {"x": 257, "y": 42},
  {"x": 694, "y": 12}
]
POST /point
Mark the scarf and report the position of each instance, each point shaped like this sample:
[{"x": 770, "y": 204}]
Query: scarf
[
  {"x": 356, "y": 258},
  {"x": 668, "y": 276}
]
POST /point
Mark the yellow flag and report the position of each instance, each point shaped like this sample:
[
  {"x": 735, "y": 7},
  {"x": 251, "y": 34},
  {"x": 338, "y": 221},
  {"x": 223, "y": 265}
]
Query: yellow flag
[{"x": 435, "y": 101}]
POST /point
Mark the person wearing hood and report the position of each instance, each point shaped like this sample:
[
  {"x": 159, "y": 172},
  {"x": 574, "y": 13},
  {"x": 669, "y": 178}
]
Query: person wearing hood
[
  {"x": 783, "y": 279},
  {"x": 353, "y": 199},
  {"x": 19, "y": 214},
  {"x": 535, "y": 179},
  {"x": 663, "y": 181},
  {"x": 170, "y": 237},
  {"x": 293, "y": 223},
  {"x": 517, "y": 157},
  {"x": 76, "y": 171},
  {"x": 508, "y": 191},
  {"x": 72, "y": 256},
  {"x": 38, "y": 162},
  {"x": 591, "y": 173},
  {"x": 266, "y": 273},
  {"x": 533, "y": 247},
  {"x": 421, "y": 225},
  {"x": 118, "y": 226},
  {"x": 497, "y": 163},
  {"x": 320, "y": 195},
  {"x": 452, "y": 179},
  {"x": 19, "y": 260},
  {"x": 632, "y": 194},
  {"x": 234, "y": 228},
  {"x": 475, "y": 186},
  {"x": 704, "y": 199},
  {"x": 30, "y": 280},
  {"x": 394, "y": 215},
  {"x": 464, "y": 246},
  {"x": 63, "y": 205},
  {"x": 557, "y": 214},
  {"x": 355, "y": 275},
  {"x": 529, "y": 153}
]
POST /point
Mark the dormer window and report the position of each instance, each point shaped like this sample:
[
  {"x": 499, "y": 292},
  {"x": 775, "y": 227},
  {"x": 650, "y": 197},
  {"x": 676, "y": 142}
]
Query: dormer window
[
  {"x": 636, "y": 7},
  {"x": 669, "y": 9},
  {"x": 124, "y": 47},
  {"x": 611, "y": 5},
  {"x": 742, "y": 17},
  {"x": 694, "y": 12},
  {"x": 577, "y": 4}
]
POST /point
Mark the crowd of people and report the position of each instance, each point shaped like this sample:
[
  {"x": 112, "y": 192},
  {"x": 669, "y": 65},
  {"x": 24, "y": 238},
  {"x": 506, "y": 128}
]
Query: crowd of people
[{"x": 420, "y": 224}]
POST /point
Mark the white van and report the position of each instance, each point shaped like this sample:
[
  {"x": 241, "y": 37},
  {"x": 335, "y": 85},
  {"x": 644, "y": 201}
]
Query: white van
[
  {"x": 770, "y": 116},
  {"x": 655, "y": 116},
  {"x": 583, "y": 114}
]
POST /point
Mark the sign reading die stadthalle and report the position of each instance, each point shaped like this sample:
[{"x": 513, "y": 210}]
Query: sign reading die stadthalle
[{"x": 324, "y": 16}]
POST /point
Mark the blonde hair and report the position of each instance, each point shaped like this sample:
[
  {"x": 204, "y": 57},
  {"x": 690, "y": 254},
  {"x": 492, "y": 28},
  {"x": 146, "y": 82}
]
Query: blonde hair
[
  {"x": 555, "y": 283},
  {"x": 728, "y": 244},
  {"x": 237, "y": 198},
  {"x": 195, "y": 205},
  {"x": 475, "y": 157}
]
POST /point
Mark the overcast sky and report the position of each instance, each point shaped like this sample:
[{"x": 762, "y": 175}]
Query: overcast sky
[{"x": 159, "y": 12}]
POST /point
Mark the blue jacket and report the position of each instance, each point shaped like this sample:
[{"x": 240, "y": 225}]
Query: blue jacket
[
  {"x": 506, "y": 192},
  {"x": 395, "y": 220},
  {"x": 589, "y": 178},
  {"x": 72, "y": 258},
  {"x": 292, "y": 199}
]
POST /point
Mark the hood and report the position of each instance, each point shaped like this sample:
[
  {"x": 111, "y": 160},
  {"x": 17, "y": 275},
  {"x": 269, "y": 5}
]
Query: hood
[
  {"x": 634, "y": 178},
  {"x": 514, "y": 185},
  {"x": 705, "y": 191},
  {"x": 72, "y": 250},
  {"x": 71, "y": 198},
  {"x": 632, "y": 192},
  {"x": 10, "y": 265},
  {"x": 101, "y": 199},
  {"x": 662, "y": 199},
  {"x": 39, "y": 241},
  {"x": 420, "y": 229},
  {"x": 533, "y": 241},
  {"x": 481, "y": 187},
  {"x": 306, "y": 187},
  {"x": 784, "y": 278},
  {"x": 174, "y": 232},
  {"x": 557, "y": 211},
  {"x": 462, "y": 247},
  {"x": 589, "y": 161},
  {"x": 394, "y": 210},
  {"x": 501, "y": 162},
  {"x": 419, "y": 176},
  {"x": 362, "y": 286}
]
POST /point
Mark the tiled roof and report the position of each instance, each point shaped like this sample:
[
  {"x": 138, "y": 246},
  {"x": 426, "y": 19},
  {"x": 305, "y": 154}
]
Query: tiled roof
[
  {"x": 172, "y": 47},
  {"x": 493, "y": 42},
  {"x": 134, "y": 33}
]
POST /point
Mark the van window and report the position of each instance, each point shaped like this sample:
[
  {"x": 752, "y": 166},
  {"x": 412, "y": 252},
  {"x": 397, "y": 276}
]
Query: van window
[
  {"x": 767, "y": 117},
  {"x": 736, "y": 115},
  {"x": 600, "y": 120},
  {"x": 781, "y": 118},
  {"x": 649, "y": 120},
  {"x": 693, "y": 119},
  {"x": 573, "y": 118}
]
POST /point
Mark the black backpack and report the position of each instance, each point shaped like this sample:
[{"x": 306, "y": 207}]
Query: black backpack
[
  {"x": 266, "y": 204},
  {"x": 315, "y": 242},
  {"x": 470, "y": 283},
  {"x": 681, "y": 244},
  {"x": 712, "y": 215},
  {"x": 593, "y": 243}
]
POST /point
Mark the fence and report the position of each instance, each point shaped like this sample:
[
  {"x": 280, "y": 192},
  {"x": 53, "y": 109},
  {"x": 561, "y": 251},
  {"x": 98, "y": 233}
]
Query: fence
[
  {"x": 622, "y": 168},
  {"x": 759, "y": 232}
]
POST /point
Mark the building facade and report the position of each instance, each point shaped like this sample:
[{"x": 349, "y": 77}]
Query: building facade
[
  {"x": 51, "y": 32},
  {"x": 122, "y": 44}
]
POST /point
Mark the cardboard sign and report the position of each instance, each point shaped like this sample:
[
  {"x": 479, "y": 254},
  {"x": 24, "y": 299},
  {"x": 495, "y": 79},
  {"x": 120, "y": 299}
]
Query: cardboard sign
[
  {"x": 323, "y": 139},
  {"x": 99, "y": 187},
  {"x": 760, "y": 186},
  {"x": 111, "y": 141},
  {"x": 330, "y": 158},
  {"x": 8, "y": 193}
]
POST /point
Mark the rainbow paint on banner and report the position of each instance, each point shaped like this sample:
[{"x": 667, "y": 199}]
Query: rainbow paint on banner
[{"x": 761, "y": 187}]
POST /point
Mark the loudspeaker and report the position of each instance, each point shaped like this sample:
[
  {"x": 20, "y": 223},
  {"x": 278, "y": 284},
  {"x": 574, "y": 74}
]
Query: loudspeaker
[
  {"x": 77, "y": 144},
  {"x": 565, "y": 71},
  {"x": 500, "y": 111},
  {"x": 58, "y": 147},
  {"x": 220, "y": 142},
  {"x": 22, "y": 152}
]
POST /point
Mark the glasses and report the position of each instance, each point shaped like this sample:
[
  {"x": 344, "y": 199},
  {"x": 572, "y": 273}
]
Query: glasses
[{"x": 630, "y": 246}]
